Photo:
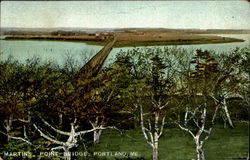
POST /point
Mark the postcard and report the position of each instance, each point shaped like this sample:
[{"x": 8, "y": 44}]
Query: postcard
[{"x": 124, "y": 80}]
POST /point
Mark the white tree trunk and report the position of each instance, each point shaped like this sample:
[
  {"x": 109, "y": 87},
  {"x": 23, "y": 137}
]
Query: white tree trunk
[
  {"x": 72, "y": 137},
  {"x": 225, "y": 108},
  {"x": 25, "y": 132},
  {"x": 199, "y": 149},
  {"x": 97, "y": 135},
  {"x": 155, "y": 152},
  {"x": 29, "y": 116},
  {"x": 60, "y": 120},
  {"x": 67, "y": 154},
  {"x": 199, "y": 141},
  {"x": 153, "y": 133},
  {"x": 8, "y": 126},
  {"x": 156, "y": 137},
  {"x": 155, "y": 147}
]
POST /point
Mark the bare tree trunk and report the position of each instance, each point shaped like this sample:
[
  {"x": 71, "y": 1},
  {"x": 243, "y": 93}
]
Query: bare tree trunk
[
  {"x": 185, "y": 117},
  {"x": 199, "y": 149},
  {"x": 60, "y": 123},
  {"x": 25, "y": 132},
  {"x": 215, "y": 114},
  {"x": 8, "y": 125},
  {"x": 155, "y": 152},
  {"x": 225, "y": 108},
  {"x": 153, "y": 133},
  {"x": 29, "y": 116},
  {"x": 156, "y": 137},
  {"x": 97, "y": 135},
  {"x": 66, "y": 154},
  {"x": 72, "y": 137},
  {"x": 60, "y": 120},
  {"x": 225, "y": 116},
  {"x": 198, "y": 139}
]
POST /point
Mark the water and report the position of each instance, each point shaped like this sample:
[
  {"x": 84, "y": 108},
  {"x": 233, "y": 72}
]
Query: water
[
  {"x": 59, "y": 51},
  {"x": 219, "y": 47},
  {"x": 56, "y": 51}
]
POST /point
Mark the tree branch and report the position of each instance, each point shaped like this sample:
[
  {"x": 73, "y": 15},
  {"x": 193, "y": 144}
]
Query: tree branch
[
  {"x": 56, "y": 130},
  {"x": 94, "y": 129},
  {"x": 187, "y": 130},
  {"x": 162, "y": 126},
  {"x": 17, "y": 138},
  {"x": 57, "y": 148},
  {"x": 144, "y": 130},
  {"x": 47, "y": 137}
]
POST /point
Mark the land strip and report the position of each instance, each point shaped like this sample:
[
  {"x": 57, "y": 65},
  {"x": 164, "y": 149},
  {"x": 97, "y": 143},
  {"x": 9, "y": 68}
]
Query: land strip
[{"x": 131, "y": 38}]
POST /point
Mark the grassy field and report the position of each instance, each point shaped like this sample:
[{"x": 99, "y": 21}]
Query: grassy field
[{"x": 223, "y": 144}]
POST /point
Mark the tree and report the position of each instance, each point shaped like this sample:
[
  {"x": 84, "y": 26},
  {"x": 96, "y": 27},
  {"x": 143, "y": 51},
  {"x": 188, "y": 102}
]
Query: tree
[
  {"x": 231, "y": 82},
  {"x": 72, "y": 140},
  {"x": 11, "y": 104},
  {"x": 73, "y": 103},
  {"x": 199, "y": 85},
  {"x": 150, "y": 91}
]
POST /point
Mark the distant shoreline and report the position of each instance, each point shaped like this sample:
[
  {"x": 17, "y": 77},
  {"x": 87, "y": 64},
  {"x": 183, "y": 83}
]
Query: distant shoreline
[{"x": 129, "y": 38}]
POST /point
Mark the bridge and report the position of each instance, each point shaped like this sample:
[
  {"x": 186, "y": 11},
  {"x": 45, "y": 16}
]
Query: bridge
[{"x": 93, "y": 66}]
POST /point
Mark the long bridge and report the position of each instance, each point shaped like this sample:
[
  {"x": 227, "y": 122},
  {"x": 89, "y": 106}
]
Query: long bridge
[{"x": 93, "y": 66}]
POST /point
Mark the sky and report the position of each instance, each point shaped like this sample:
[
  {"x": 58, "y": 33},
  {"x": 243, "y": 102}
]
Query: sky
[{"x": 233, "y": 14}]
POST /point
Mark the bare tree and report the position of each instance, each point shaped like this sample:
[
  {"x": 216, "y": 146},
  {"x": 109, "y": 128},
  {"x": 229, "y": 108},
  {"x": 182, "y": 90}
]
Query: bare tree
[
  {"x": 153, "y": 132},
  {"x": 197, "y": 88},
  {"x": 73, "y": 136},
  {"x": 232, "y": 81},
  {"x": 160, "y": 92},
  {"x": 198, "y": 116}
]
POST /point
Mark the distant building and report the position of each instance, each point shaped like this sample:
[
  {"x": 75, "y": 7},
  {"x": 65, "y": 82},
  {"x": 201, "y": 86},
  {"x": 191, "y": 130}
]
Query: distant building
[{"x": 102, "y": 35}]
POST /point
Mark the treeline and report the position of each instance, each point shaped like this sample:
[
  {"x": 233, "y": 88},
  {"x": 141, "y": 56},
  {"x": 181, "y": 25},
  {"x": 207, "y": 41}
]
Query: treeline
[
  {"x": 68, "y": 33},
  {"x": 57, "y": 33},
  {"x": 43, "y": 107}
]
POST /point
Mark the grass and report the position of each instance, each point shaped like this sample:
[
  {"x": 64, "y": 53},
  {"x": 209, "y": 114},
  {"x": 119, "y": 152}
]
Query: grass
[{"x": 223, "y": 144}]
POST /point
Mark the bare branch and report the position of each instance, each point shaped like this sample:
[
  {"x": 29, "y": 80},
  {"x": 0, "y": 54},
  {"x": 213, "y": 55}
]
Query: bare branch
[
  {"x": 196, "y": 123},
  {"x": 23, "y": 120},
  {"x": 144, "y": 130},
  {"x": 165, "y": 105},
  {"x": 47, "y": 137},
  {"x": 149, "y": 125},
  {"x": 186, "y": 116},
  {"x": 94, "y": 129},
  {"x": 110, "y": 95},
  {"x": 56, "y": 130},
  {"x": 17, "y": 138},
  {"x": 215, "y": 113},
  {"x": 187, "y": 130},
  {"x": 215, "y": 99},
  {"x": 192, "y": 113},
  {"x": 162, "y": 126},
  {"x": 208, "y": 133},
  {"x": 57, "y": 148},
  {"x": 203, "y": 121}
]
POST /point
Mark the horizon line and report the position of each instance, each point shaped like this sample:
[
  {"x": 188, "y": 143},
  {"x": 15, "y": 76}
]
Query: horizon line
[{"x": 128, "y": 28}]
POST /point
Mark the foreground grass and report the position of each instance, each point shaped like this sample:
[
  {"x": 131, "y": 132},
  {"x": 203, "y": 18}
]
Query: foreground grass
[{"x": 224, "y": 144}]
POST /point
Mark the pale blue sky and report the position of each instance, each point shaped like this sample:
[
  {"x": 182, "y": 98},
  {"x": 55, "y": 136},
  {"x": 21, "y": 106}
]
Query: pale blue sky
[{"x": 121, "y": 14}]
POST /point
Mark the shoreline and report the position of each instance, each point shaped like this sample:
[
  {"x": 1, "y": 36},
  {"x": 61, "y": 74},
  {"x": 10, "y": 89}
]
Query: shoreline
[{"x": 133, "y": 40}]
